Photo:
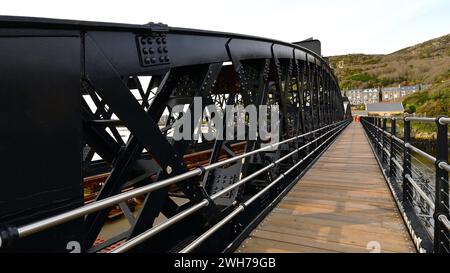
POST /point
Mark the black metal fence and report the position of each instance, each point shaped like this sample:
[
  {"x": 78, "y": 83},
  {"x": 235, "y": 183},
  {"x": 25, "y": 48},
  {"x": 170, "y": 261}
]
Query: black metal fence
[{"x": 419, "y": 181}]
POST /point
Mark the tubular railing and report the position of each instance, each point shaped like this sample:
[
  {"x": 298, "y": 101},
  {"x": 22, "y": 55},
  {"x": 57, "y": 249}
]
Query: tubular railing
[
  {"x": 10, "y": 234},
  {"x": 242, "y": 206},
  {"x": 147, "y": 234},
  {"x": 419, "y": 181}
]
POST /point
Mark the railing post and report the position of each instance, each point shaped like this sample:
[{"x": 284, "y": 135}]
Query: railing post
[
  {"x": 383, "y": 142},
  {"x": 441, "y": 233},
  {"x": 391, "y": 150},
  {"x": 376, "y": 133},
  {"x": 406, "y": 159},
  {"x": 380, "y": 149}
]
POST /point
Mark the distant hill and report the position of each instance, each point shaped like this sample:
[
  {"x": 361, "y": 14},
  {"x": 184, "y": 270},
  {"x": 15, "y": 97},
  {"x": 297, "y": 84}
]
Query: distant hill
[
  {"x": 428, "y": 62},
  {"x": 431, "y": 102}
]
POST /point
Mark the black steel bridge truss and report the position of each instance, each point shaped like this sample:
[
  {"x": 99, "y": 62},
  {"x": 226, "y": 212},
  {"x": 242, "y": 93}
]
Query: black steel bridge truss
[{"x": 84, "y": 100}]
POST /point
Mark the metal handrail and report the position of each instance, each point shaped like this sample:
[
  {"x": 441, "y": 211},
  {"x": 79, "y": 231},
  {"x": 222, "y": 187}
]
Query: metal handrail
[
  {"x": 444, "y": 120},
  {"x": 385, "y": 132},
  {"x": 419, "y": 151},
  {"x": 399, "y": 166},
  {"x": 242, "y": 207},
  {"x": 154, "y": 230},
  {"x": 440, "y": 120},
  {"x": 419, "y": 119},
  {"x": 444, "y": 220},
  {"x": 444, "y": 166},
  {"x": 52, "y": 221}
]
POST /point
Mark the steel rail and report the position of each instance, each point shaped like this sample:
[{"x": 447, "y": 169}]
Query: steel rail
[
  {"x": 419, "y": 119},
  {"x": 409, "y": 145},
  {"x": 375, "y": 140},
  {"x": 440, "y": 120},
  {"x": 40, "y": 225},
  {"x": 420, "y": 191},
  {"x": 444, "y": 120},
  {"x": 416, "y": 119},
  {"x": 153, "y": 231},
  {"x": 242, "y": 207},
  {"x": 237, "y": 184},
  {"x": 385, "y": 132},
  {"x": 399, "y": 166},
  {"x": 419, "y": 151},
  {"x": 444, "y": 166}
]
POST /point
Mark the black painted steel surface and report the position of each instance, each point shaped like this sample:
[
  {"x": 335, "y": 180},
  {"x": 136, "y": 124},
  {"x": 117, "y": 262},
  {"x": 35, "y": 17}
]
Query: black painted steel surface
[{"x": 68, "y": 88}]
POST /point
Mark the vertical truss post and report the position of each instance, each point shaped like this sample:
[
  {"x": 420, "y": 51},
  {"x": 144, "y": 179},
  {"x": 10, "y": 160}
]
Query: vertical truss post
[
  {"x": 318, "y": 95},
  {"x": 441, "y": 233},
  {"x": 300, "y": 86},
  {"x": 311, "y": 95}
]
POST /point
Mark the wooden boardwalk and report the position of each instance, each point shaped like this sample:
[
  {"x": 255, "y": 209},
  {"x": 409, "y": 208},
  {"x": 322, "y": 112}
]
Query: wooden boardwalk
[{"x": 342, "y": 204}]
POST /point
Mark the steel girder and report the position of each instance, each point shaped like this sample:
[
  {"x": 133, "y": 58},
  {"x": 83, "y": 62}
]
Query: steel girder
[{"x": 71, "y": 89}]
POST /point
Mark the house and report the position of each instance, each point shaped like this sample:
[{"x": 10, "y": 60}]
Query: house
[
  {"x": 384, "y": 109},
  {"x": 363, "y": 96},
  {"x": 396, "y": 93}
]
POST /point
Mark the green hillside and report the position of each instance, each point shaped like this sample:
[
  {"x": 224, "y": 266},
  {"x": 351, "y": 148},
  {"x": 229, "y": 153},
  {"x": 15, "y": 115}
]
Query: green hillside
[
  {"x": 428, "y": 62},
  {"x": 424, "y": 63},
  {"x": 432, "y": 102}
]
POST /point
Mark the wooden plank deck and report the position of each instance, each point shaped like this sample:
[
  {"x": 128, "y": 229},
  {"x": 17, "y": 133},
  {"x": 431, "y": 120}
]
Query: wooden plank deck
[{"x": 342, "y": 204}]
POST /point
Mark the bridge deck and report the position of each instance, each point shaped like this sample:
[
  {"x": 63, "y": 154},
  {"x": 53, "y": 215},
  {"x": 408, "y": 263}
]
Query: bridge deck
[{"x": 342, "y": 204}]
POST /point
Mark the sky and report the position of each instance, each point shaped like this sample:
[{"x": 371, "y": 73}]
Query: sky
[{"x": 343, "y": 26}]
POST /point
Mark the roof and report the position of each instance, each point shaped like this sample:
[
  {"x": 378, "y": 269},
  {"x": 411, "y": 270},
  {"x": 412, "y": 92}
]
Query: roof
[{"x": 385, "y": 107}]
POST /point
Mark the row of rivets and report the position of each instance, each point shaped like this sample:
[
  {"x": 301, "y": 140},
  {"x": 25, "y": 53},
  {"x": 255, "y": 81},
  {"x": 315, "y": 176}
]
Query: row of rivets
[{"x": 153, "y": 50}]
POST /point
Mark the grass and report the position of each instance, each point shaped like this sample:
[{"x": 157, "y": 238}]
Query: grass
[{"x": 429, "y": 103}]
